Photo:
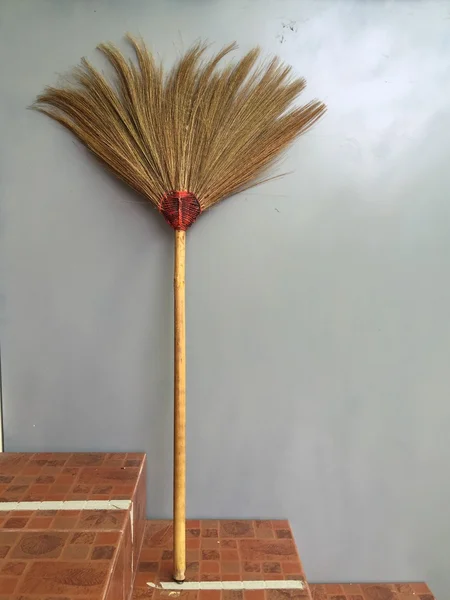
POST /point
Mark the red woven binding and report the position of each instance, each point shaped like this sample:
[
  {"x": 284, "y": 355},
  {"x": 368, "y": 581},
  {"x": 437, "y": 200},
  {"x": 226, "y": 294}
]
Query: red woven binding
[{"x": 180, "y": 209}]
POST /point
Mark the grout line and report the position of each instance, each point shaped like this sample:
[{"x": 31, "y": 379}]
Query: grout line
[
  {"x": 278, "y": 584},
  {"x": 68, "y": 505}
]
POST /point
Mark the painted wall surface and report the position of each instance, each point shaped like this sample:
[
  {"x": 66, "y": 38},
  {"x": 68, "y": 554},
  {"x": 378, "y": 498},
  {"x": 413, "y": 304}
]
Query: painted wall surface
[{"x": 318, "y": 305}]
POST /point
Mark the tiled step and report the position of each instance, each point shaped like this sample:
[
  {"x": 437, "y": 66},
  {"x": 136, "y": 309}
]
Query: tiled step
[
  {"x": 371, "y": 591},
  {"x": 259, "y": 555},
  {"x": 71, "y": 525},
  {"x": 251, "y": 555}
]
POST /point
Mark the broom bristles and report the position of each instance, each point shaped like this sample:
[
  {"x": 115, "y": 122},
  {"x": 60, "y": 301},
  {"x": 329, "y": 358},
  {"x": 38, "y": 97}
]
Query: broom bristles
[{"x": 209, "y": 131}]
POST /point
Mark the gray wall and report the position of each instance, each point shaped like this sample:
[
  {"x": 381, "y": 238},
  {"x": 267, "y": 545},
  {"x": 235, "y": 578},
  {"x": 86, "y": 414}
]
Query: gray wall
[{"x": 318, "y": 328}]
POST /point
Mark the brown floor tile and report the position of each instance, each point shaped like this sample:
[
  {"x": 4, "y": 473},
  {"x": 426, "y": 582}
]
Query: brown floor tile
[
  {"x": 420, "y": 588},
  {"x": 351, "y": 588},
  {"x": 39, "y": 522},
  {"x": 209, "y": 566},
  {"x": 251, "y": 567},
  {"x": 85, "y": 459},
  {"x": 280, "y": 524},
  {"x": 228, "y": 554},
  {"x": 107, "y": 537},
  {"x": 64, "y": 578},
  {"x": 254, "y": 595},
  {"x": 65, "y": 522},
  {"x": 82, "y": 537},
  {"x": 283, "y": 533},
  {"x": 333, "y": 588},
  {"x": 230, "y": 567},
  {"x": 191, "y": 555},
  {"x": 370, "y": 591},
  {"x": 271, "y": 567},
  {"x": 210, "y": 533},
  {"x": 214, "y": 595},
  {"x": 190, "y": 532},
  {"x": 239, "y": 529},
  {"x": 210, "y": 554},
  {"x": 70, "y": 555},
  {"x": 76, "y": 552},
  {"x": 41, "y": 545},
  {"x": 192, "y": 524},
  {"x": 13, "y": 568},
  {"x": 225, "y": 543},
  {"x": 268, "y": 550},
  {"x": 102, "y": 519},
  {"x": 232, "y": 595},
  {"x": 292, "y": 567}
]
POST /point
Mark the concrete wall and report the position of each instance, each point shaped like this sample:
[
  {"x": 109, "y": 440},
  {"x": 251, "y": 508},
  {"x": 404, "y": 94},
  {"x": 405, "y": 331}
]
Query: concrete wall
[{"x": 318, "y": 328}]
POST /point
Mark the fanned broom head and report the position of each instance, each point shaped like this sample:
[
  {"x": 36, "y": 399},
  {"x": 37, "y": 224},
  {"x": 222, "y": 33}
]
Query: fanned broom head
[{"x": 188, "y": 138}]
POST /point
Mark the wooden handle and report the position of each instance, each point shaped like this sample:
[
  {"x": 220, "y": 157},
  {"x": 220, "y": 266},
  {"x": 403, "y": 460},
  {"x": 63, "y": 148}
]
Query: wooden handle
[{"x": 179, "y": 472}]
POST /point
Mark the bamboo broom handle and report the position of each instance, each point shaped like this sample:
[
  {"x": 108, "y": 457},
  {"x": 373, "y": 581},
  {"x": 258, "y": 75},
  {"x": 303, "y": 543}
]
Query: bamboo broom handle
[{"x": 179, "y": 474}]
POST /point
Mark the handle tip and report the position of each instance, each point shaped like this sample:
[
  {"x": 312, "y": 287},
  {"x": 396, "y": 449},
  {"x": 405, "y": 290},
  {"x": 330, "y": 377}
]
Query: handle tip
[{"x": 179, "y": 577}]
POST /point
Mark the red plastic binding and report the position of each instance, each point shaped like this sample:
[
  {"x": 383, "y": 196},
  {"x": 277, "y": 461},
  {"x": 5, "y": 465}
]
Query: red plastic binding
[{"x": 180, "y": 209}]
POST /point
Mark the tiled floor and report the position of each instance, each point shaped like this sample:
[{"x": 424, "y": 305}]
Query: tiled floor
[
  {"x": 60, "y": 476},
  {"x": 89, "y": 549},
  {"x": 223, "y": 551},
  {"x": 52, "y": 554},
  {"x": 371, "y": 591},
  {"x": 246, "y": 550}
]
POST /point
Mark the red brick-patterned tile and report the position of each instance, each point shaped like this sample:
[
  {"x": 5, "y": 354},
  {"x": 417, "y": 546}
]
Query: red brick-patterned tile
[
  {"x": 237, "y": 529},
  {"x": 290, "y": 568},
  {"x": 57, "y": 555},
  {"x": 62, "y": 577},
  {"x": 230, "y": 567},
  {"x": 281, "y": 524},
  {"x": 420, "y": 588},
  {"x": 15, "y": 568},
  {"x": 251, "y": 567},
  {"x": 208, "y": 542},
  {"x": 40, "y": 545},
  {"x": 8, "y": 584},
  {"x": 107, "y": 537},
  {"x": 210, "y": 555},
  {"x": 193, "y": 524},
  {"x": 370, "y": 591},
  {"x": 228, "y": 543},
  {"x": 76, "y": 552},
  {"x": 210, "y": 533},
  {"x": 254, "y": 595},
  {"x": 267, "y": 550},
  {"x": 39, "y": 522},
  {"x": 232, "y": 595},
  {"x": 229, "y": 554},
  {"x": 283, "y": 533},
  {"x": 15, "y": 523},
  {"x": 287, "y": 594},
  {"x": 271, "y": 567},
  {"x": 351, "y": 588},
  {"x": 209, "y": 566},
  {"x": 102, "y": 519},
  {"x": 190, "y": 532},
  {"x": 213, "y": 595}
]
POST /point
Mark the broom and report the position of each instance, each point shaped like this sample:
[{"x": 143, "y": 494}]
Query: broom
[{"x": 183, "y": 140}]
